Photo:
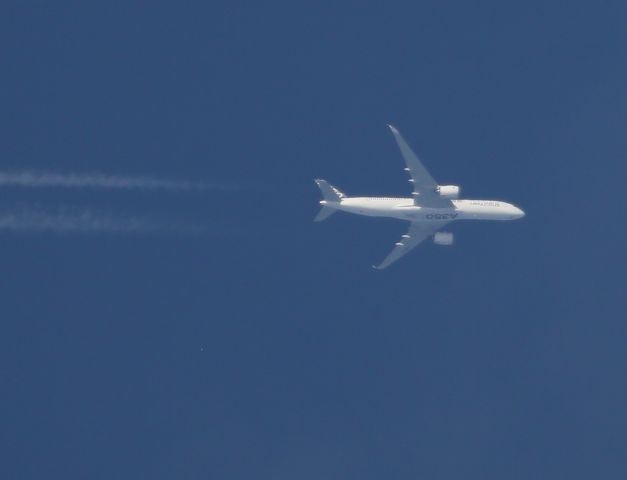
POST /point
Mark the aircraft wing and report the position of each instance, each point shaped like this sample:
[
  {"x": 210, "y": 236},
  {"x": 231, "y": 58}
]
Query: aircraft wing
[
  {"x": 418, "y": 232},
  {"x": 425, "y": 186}
]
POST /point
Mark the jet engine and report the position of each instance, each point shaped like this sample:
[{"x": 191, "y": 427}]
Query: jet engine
[
  {"x": 448, "y": 191},
  {"x": 443, "y": 238}
]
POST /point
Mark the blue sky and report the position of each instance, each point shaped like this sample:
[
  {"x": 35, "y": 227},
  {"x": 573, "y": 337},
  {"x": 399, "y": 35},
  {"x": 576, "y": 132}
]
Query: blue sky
[{"x": 265, "y": 346}]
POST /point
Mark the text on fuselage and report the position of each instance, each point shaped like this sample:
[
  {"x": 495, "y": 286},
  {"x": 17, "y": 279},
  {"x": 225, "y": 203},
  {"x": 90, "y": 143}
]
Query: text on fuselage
[{"x": 441, "y": 216}]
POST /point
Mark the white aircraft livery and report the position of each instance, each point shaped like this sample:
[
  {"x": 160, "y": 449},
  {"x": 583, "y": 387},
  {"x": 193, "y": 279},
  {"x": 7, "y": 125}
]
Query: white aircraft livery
[{"x": 429, "y": 209}]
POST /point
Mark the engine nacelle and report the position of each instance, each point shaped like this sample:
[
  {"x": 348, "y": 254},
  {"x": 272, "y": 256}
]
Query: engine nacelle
[
  {"x": 443, "y": 238},
  {"x": 448, "y": 191}
]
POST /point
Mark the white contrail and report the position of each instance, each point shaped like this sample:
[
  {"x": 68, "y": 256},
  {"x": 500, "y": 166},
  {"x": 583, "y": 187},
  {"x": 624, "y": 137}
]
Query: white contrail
[
  {"x": 74, "y": 220},
  {"x": 34, "y": 179}
]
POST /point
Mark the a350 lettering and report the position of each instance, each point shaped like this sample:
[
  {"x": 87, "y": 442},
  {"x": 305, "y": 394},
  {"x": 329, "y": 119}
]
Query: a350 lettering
[{"x": 441, "y": 216}]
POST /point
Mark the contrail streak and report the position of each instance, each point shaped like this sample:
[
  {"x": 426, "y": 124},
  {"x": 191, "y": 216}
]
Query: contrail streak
[
  {"x": 36, "y": 179},
  {"x": 73, "y": 220}
]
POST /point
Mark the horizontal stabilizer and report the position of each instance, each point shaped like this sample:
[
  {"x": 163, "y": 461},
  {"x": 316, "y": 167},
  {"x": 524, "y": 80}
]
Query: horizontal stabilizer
[{"x": 325, "y": 213}]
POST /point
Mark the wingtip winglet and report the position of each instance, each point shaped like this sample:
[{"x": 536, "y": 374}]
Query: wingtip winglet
[{"x": 393, "y": 128}]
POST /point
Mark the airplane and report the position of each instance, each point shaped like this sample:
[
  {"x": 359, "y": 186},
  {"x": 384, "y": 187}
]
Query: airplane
[{"x": 428, "y": 210}]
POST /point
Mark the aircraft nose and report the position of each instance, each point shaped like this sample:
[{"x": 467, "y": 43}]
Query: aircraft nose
[{"x": 518, "y": 213}]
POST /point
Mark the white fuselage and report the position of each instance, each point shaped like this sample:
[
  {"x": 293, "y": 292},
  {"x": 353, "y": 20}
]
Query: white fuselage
[{"x": 405, "y": 209}]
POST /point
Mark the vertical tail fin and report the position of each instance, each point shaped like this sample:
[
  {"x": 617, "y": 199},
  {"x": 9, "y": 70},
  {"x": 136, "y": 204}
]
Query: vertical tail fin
[
  {"x": 330, "y": 195},
  {"x": 329, "y": 192}
]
